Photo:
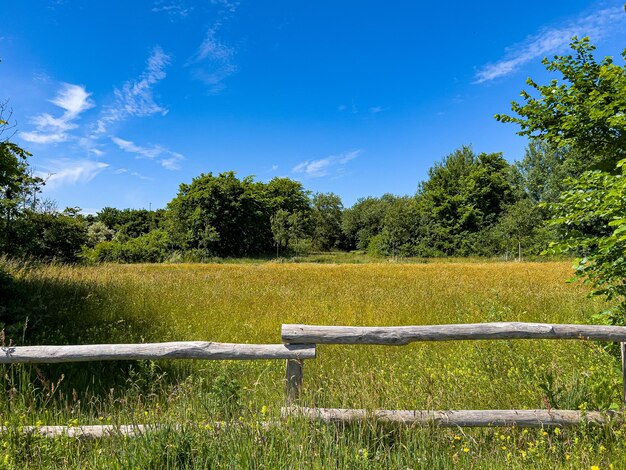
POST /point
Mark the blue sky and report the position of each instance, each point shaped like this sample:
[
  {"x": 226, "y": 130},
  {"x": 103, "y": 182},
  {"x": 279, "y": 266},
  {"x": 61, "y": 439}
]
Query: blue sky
[{"x": 120, "y": 102}]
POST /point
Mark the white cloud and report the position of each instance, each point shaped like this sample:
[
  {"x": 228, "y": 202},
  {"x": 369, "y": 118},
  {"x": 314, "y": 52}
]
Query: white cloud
[
  {"x": 229, "y": 6},
  {"x": 213, "y": 61},
  {"x": 322, "y": 167},
  {"x": 165, "y": 157},
  {"x": 173, "y": 8},
  {"x": 63, "y": 172},
  {"x": 135, "y": 98},
  {"x": 598, "y": 25},
  {"x": 74, "y": 100}
]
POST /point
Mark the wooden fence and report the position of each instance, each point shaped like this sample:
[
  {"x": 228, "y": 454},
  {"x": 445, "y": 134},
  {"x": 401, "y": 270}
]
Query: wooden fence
[
  {"x": 401, "y": 335},
  {"x": 299, "y": 344}
]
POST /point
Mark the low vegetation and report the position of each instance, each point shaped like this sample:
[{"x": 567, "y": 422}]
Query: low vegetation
[{"x": 248, "y": 303}]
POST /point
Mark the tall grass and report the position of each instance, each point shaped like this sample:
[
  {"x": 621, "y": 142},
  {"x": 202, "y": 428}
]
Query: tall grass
[{"x": 248, "y": 303}]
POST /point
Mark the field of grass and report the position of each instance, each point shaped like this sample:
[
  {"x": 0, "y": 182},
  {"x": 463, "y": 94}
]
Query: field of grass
[{"x": 248, "y": 303}]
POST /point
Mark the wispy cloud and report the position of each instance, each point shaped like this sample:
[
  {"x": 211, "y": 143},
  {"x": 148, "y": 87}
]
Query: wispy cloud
[
  {"x": 74, "y": 100},
  {"x": 228, "y": 6},
  {"x": 136, "y": 98},
  {"x": 323, "y": 166},
  {"x": 598, "y": 25},
  {"x": 213, "y": 61},
  {"x": 376, "y": 109},
  {"x": 174, "y": 8},
  {"x": 122, "y": 171},
  {"x": 165, "y": 157},
  {"x": 63, "y": 172}
]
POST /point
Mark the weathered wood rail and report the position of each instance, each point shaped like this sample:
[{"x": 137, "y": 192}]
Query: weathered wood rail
[
  {"x": 154, "y": 351},
  {"x": 401, "y": 335},
  {"x": 456, "y": 418}
]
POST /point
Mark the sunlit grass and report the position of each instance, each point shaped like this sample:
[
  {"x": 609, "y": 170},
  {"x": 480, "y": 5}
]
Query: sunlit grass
[{"x": 249, "y": 302}]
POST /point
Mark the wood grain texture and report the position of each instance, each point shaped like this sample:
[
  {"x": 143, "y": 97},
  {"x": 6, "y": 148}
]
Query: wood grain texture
[
  {"x": 463, "y": 418},
  {"x": 399, "y": 335},
  {"x": 293, "y": 377},
  {"x": 153, "y": 351},
  {"x": 128, "y": 430},
  {"x": 623, "y": 351}
]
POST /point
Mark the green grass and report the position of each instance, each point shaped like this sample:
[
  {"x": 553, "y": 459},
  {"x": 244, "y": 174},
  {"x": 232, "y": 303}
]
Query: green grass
[{"x": 247, "y": 303}]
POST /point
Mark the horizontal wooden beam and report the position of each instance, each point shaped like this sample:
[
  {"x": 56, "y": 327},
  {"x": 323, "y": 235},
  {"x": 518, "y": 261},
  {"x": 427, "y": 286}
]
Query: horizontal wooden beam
[
  {"x": 87, "y": 432},
  {"x": 399, "y": 335},
  {"x": 456, "y": 418},
  {"x": 130, "y": 430},
  {"x": 153, "y": 351}
]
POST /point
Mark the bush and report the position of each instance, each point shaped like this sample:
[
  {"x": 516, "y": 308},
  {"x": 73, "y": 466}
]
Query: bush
[{"x": 152, "y": 247}]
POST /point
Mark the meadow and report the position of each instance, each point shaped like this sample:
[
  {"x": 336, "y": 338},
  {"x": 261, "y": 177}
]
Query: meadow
[{"x": 248, "y": 303}]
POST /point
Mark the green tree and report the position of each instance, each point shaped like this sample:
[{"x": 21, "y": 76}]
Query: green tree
[
  {"x": 521, "y": 229},
  {"x": 299, "y": 241},
  {"x": 464, "y": 195},
  {"x": 399, "y": 227},
  {"x": 98, "y": 232},
  {"x": 130, "y": 223},
  {"x": 583, "y": 112},
  {"x": 326, "y": 220},
  {"x": 541, "y": 174},
  {"x": 597, "y": 198},
  {"x": 285, "y": 194},
  {"x": 586, "y": 114},
  {"x": 18, "y": 185},
  {"x": 56, "y": 236},
  {"x": 364, "y": 220},
  {"x": 280, "y": 229}
]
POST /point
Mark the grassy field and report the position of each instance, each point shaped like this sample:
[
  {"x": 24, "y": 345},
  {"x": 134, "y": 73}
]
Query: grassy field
[{"x": 248, "y": 303}]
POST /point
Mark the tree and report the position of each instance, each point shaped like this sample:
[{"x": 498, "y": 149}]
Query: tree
[
  {"x": 285, "y": 194},
  {"x": 98, "y": 232},
  {"x": 586, "y": 115},
  {"x": 541, "y": 174},
  {"x": 130, "y": 223},
  {"x": 399, "y": 227},
  {"x": 464, "y": 195},
  {"x": 56, "y": 236},
  {"x": 364, "y": 220},
  {"x": 220, "y": 215},
  {"x": 597, "y": 198},
  {"x": 520, "y": 224},
  {"x": 584, "y": 112},
  {"x": 326, "y": 220},
  {"x": 298, "y": 233},
  {"x": 280, "y": 229},
  {"x": 18, "y": 185}
]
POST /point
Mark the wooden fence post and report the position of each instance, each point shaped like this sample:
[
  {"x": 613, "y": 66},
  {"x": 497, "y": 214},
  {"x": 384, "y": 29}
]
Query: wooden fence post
[
  {"x": 293, "y": 379},
  {"x": 623, "y": 348}
]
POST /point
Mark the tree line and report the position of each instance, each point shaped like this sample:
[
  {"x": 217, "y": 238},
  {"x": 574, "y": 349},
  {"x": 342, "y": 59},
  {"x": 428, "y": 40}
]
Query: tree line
[{"x": 471, "y": 205}]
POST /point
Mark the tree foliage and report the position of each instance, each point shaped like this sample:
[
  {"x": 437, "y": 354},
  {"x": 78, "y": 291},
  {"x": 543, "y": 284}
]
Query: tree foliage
[
  {"x": 586, "y": 114},
  {"x": 327, "y": 210},
  {"x": 465, "y": 193},
  {"x": 597, "y": 198},
  {"x": 583, "y": 112}
]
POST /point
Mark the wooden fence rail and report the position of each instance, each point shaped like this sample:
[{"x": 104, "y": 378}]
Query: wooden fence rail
[
  {"x": 456, "y": 418},
  {"x": 400, "y": 335},
  {"x": 154, "y": 351}
]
